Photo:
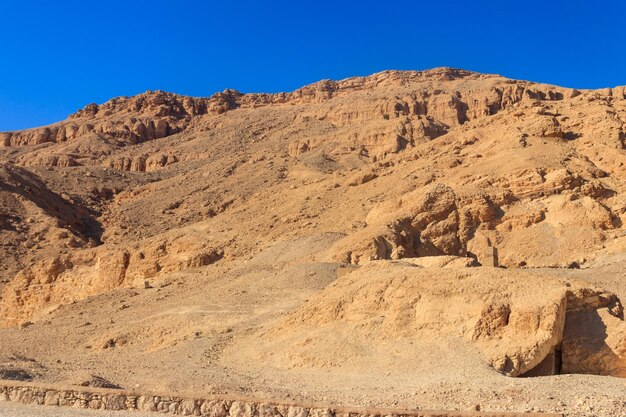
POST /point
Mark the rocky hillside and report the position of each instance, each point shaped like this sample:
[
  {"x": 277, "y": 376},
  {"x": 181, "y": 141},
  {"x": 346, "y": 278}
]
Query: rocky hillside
[
  {"x": 139, "y": 191},
  {"x": 405, "y": 164}
]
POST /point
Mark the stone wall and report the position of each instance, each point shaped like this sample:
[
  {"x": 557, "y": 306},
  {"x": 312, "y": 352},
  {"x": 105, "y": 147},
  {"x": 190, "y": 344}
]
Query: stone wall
[{"x": 212, "y": 406}]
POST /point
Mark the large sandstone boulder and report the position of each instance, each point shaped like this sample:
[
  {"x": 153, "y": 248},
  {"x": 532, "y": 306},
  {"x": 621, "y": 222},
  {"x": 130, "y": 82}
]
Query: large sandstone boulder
[{"x": 521, "y": 323}]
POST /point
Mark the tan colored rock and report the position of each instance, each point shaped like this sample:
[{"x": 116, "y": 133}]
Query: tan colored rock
[
  {"x": 146, "y": 403},
  {"x": 240, "y": 409},
  {"x": 500, "y": 312},
  {"x": 297, "y": 412},
  {"x": 360, "y": 179},
  {"x": 52, "y": 398},
  {"x": 267, "y": 410},
  {"x": 213, "y": 409},
  {"x": 115, "y": 402},
  {"x": 423, "y": 223},
  {"x": 187, "y": 407}
]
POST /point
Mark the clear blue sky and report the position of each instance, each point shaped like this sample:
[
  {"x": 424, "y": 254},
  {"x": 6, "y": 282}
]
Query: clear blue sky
[{"x": 57, "y": 56}]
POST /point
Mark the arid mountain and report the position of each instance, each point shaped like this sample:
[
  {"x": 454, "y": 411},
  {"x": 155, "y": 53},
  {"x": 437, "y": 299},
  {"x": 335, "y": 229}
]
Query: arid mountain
[{"x": 418, "y": 238}]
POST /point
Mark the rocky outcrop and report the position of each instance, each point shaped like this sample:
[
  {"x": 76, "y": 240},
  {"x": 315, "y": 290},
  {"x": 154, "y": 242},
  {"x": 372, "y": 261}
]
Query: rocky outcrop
[
  {"x": 50, "y": 283},
  {"x": 122, "y": 120},
  {"x": 487, "y": 220},
  {"x": 126, "y": 131},
  {"x": 142, "y": 163},
  {"x": 428, "y": 222},
  {"x": 61, "y": 161},
  {"x": 517, "y": 320}
]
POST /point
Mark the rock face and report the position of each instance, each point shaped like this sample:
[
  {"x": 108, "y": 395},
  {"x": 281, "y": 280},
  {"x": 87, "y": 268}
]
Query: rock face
[
  {"x": 519, "y": 321},
  {"x": 436, "y": 220},
  {"x": 142, "y": 163},
  {"x": 426, "y": 223},
  {"x": 46, "y": 285},
  {"x": 127, "y": 120}
]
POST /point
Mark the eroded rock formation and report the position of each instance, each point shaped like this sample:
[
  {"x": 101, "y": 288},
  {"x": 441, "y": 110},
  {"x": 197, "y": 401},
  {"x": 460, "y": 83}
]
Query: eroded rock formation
[{"x": 522, "y": 323}]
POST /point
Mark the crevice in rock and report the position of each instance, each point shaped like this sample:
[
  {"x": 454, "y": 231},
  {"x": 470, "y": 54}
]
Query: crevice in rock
[{"x": 591, "y": 321}]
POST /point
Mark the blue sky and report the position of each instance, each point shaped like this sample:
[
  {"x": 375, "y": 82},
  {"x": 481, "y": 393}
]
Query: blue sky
[{"x": 56, "y": 57}]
